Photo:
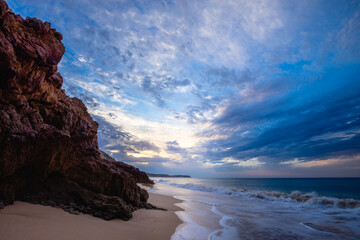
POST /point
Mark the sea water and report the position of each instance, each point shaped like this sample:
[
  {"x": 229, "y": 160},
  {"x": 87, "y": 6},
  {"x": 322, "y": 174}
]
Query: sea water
[{"x": 240, "y": 208}]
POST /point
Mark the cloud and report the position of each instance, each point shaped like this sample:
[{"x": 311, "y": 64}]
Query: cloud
[
  {"x": 230, "y": 161},
  {"x": 293, "y": 162},
  {"x": 251, "y": 163},
  {"x": 226, "y": 86},
  {"x": 320, "y": 163},
  {"x": 154, "y": 90}
]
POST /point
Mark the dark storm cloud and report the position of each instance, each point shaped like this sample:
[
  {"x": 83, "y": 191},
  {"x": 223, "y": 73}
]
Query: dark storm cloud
[{"x": 308, "y": 123}]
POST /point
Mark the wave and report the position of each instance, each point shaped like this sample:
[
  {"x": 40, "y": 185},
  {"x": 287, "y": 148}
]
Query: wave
[{"x": 295, "y": 196}]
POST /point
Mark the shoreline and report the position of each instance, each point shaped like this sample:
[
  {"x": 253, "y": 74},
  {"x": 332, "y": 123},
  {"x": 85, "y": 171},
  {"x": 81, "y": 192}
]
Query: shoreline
[
  {"x": 199, "y": 220},
  {"x": 31, "y": 221},
  {"x": 211, "y": 212}
]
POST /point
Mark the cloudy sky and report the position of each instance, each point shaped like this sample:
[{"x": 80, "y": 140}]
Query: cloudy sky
[{"x": 216, "y": 88}]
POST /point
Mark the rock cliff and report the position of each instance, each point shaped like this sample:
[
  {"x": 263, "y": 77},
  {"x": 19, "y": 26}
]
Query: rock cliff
[{"x": 48, "y": 141}]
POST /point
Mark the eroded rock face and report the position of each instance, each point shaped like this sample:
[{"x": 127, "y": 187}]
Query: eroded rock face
[
  {"x": 140, "y": 177},
  {"x": 48, "y": 142}
]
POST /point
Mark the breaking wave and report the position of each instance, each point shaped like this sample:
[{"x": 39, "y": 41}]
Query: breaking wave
[{"x": 295, "y": 196}]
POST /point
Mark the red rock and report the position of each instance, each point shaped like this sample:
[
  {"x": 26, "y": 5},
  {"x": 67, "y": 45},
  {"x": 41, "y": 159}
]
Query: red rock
[{"x": 48, "y": 142}]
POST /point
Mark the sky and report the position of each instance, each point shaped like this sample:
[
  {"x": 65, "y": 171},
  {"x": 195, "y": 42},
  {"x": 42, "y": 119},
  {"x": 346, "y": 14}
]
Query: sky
[{"x": 216, "y": 88}]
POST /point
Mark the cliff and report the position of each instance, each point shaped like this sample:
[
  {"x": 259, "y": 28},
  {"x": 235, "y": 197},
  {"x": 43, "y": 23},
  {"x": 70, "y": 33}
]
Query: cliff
[
  {"x": 140, "y": 177},
  {"x": 48, "y": 142}
]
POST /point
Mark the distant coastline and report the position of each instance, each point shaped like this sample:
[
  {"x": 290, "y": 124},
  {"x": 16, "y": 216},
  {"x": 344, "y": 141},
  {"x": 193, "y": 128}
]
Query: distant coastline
[{"x": 167, "y": 175}]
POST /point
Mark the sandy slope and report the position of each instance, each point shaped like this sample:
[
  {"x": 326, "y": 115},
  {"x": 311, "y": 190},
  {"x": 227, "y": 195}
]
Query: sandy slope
[{"x": 35, "y": 222}]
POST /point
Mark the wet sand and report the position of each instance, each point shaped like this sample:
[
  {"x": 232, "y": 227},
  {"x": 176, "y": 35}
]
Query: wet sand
[{"x": 36, "y": 222}]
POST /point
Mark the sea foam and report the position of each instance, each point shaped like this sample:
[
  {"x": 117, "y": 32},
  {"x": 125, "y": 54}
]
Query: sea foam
[
  {"x": 294, "y": 196},
  {"x": 243, "y": 213}
]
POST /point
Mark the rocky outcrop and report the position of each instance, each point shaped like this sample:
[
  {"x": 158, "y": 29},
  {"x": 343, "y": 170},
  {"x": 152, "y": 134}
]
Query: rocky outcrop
[
  {"x": 140, "y": 177},
  {"x": 48, "y": 142}
]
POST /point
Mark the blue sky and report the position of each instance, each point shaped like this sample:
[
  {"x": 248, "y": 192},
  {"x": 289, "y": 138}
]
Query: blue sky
[{"x": 216, "y": 88}]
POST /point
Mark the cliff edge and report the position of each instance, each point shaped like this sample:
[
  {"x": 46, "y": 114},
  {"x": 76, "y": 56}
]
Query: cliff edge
[{"x": 48, "y": 141}]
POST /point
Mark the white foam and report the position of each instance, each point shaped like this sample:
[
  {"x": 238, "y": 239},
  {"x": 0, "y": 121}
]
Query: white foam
[
  {"x": 227, "y": 232},
  {"x": 253, "y": 210},
  {"x": 294, "y": 197},
  {"x": 189, "y": 230}
]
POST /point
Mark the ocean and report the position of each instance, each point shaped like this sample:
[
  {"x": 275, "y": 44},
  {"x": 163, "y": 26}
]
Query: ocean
[{"x": 265, "y": 208}]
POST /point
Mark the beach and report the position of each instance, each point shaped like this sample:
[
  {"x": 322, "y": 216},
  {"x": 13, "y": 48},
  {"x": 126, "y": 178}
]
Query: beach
[
  {"x": 272, "y": 209},
  {"x": 36, "y": 222}
]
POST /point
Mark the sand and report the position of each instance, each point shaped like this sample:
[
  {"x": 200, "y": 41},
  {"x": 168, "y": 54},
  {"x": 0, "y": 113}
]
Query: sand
[{"x": 36, "y": 222}]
